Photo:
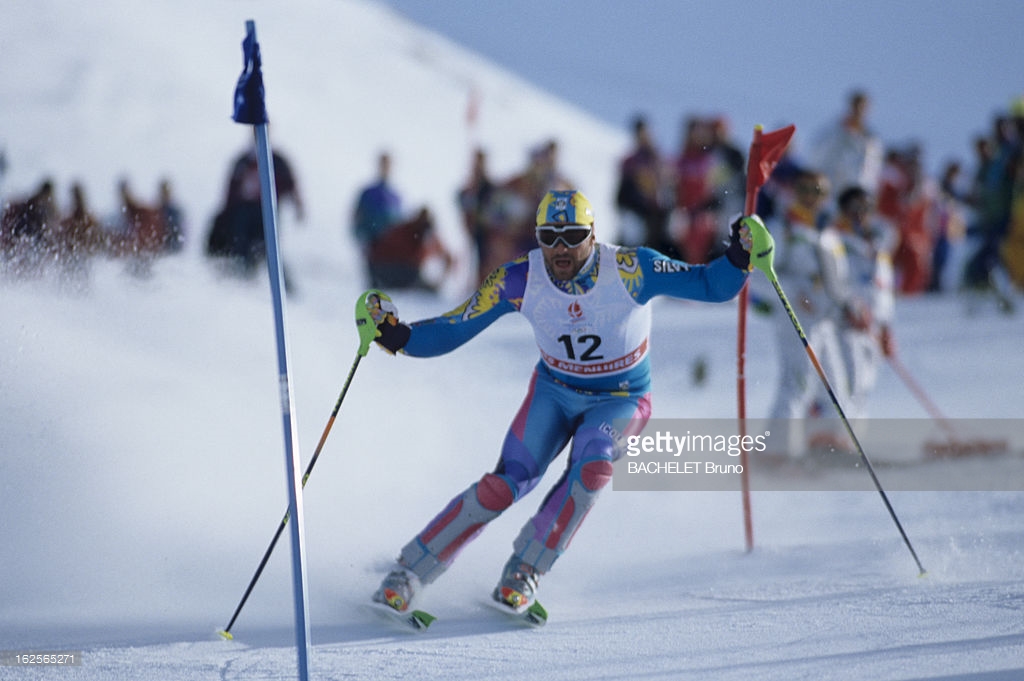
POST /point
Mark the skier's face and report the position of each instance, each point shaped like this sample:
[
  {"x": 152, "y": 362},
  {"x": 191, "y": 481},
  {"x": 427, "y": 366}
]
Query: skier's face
[{"x": 564, "y": 261}]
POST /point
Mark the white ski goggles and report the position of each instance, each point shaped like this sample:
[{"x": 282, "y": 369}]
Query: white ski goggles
[{"x": 572, "y": 236}]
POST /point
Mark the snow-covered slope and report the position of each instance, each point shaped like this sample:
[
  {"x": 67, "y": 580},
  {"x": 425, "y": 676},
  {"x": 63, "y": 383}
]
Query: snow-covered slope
[
  {"x": 141, "y": 472},
  {"x": 145, "y": 92}
]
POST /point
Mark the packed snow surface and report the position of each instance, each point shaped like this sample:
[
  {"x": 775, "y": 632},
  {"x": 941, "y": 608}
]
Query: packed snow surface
[{"x": 142, "y": 479}]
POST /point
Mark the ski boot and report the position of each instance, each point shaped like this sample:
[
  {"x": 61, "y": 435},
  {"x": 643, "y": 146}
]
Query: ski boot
[
  {"x": 517, "y": 587},
  {"x": 397, "y": 589}
]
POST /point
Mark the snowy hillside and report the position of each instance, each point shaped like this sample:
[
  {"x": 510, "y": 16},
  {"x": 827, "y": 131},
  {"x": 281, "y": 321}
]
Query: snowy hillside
[
  {"x": 146, "y": 92},
  {"x": 141, "y": 471}
]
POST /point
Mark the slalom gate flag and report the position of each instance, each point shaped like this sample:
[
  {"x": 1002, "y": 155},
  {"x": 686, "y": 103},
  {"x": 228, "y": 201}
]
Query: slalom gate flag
[
  {"x": 250, "y": 104},
  {"x": 765, "y": 153}
]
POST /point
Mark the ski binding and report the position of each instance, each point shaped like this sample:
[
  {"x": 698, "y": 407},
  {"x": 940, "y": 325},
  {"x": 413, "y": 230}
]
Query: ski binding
[{"x": 534, "y": 615}]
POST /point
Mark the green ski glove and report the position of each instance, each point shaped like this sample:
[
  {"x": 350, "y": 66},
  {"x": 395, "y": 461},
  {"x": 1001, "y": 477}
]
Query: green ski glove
[
  {"x": 377, "y": 321},
  {"x": 758, "y": 242}
]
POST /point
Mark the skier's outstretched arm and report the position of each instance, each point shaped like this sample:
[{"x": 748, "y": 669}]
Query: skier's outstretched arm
[
  {"x": 718, "y": 281},
  {"x": 498, "y": 295}
]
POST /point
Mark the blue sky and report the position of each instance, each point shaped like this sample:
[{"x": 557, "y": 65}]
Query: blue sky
[{"x": 937, "y": 71}]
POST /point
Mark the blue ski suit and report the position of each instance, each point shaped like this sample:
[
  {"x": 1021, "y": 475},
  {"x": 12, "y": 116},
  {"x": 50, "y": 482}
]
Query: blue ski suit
[{"x": 594, "y": 372}]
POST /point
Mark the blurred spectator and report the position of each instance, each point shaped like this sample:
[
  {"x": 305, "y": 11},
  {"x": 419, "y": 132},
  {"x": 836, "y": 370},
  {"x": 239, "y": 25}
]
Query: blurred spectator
[
  {"x": 542, "y": 174},
  {"x": 706, "y": 182},
  {"x": 991, "y": 198},
  {"x": 408, "y": 254},
  {"x": 139, "y": 235},
  {"x": 25, "y": 227},
  {"x": 511, "y": 210},
  {"x": 644, "y": 195},
  {"x": 173, "y": 218},
  {"x": 907, "y": 198},
  {"x": 474, "y": 198},
  {"x": 865, "y": 326},
  {"x": 378, "y": 208},
  {"x": 950, "y": 224},
  {"x": 503, "y": 217},
  {"x": 731, "y": 179},
  {"x": 237, "y": 232},
  {"x": 849, "y": 152},
  {"x": 29, "y": 217},
  {"x": 80, "y": 236},
  {"x": 3, "y": 171},
  {"x": 811, "y": 260},
  {"x": 545, "y": 173},
  {"x": 1013, "y": 244}
]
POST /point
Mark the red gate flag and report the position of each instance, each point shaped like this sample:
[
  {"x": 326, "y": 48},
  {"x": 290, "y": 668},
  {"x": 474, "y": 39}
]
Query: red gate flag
[{"x": 766, "y": 151}]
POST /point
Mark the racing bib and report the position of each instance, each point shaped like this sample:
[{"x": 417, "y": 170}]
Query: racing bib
[{"x": 599, "y": 333}]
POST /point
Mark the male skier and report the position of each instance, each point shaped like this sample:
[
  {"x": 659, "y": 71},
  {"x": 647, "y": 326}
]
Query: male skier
[{"x": 587, "y": 304}]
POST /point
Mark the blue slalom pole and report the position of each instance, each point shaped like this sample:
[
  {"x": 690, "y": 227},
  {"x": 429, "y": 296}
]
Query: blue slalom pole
[{"x": 250, "y": 108}]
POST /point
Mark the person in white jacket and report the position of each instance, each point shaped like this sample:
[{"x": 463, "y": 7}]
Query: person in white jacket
[
  {"x": 810, "y": 262},
  {"x": 849, "y": 152},
  {"x": 865, "y": 328}
]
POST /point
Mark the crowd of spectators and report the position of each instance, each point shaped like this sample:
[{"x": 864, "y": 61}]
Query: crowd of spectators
[
  {"x": 960, "y": 230},
  {"x": 39, "y": 235},
  {"x": 499, "y": 213},
  {"x": 677, "y": 203}
]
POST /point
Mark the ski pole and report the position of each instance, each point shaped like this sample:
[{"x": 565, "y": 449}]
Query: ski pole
[
  {"x": 366, "y": 334},
  {"x": 766, "y": 265}
]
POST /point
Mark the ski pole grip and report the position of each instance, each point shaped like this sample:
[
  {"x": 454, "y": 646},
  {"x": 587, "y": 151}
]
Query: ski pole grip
[{"x": 365, "y": 325}]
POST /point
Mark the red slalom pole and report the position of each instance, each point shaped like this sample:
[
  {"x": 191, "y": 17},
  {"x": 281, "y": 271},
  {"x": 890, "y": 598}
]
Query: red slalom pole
[{"x": 766, "y": 150}]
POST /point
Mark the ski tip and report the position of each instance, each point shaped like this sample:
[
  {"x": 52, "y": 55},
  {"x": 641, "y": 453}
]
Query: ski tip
[
  {"x": 536, "y": 614},
  {"x": 226, "y": 635},
  {"x": 421, "y": 619}
]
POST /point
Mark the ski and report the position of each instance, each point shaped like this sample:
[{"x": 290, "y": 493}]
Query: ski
[
  {"x": 534, "y": 615},
  {"x": 413, "y": 620}
]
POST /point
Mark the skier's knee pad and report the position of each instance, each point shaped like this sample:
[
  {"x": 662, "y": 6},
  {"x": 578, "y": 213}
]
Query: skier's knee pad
[
  {"x": 595, "y": 474},
  {"x": 549, "y": 533},
  {"x": 596, "y": 464},
  {"x": 494, "y": 493},
  {"x": 430, "y": 553}
]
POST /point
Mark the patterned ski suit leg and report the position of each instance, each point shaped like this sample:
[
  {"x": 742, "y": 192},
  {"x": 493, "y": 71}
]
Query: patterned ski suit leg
[
  {"x": 430, "y": 553},
  {"x": 550, "y": 415},
  {"x": 519, "y": 469},
  {"x": 547, "y": 535}
]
